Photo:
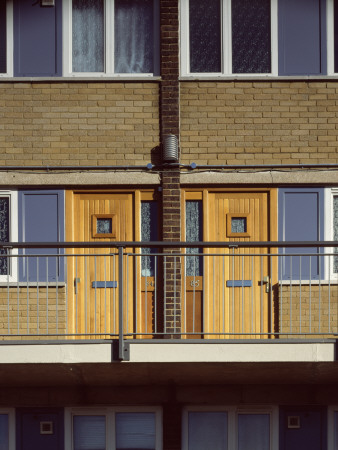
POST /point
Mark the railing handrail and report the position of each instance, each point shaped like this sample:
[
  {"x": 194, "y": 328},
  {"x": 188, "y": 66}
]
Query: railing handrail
[{"x": 169, "y": 244}]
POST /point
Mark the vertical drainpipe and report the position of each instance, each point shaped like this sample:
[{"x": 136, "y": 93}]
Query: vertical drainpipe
[{"x": 171, "y": 198}]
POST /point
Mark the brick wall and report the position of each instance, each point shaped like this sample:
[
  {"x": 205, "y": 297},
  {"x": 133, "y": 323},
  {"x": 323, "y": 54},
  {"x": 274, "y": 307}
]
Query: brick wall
[
  {"x": 241, "y": 122},
  {"x": 32, "y": 311},
  {"x": 78, "y": 123},
  {"x": 307, "y": 309}
]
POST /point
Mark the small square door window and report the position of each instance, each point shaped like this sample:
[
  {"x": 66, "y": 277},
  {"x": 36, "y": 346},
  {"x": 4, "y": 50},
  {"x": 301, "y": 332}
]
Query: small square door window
[
  {"x": 238, "y": 225},
  {"x": 104, "y": 225}
]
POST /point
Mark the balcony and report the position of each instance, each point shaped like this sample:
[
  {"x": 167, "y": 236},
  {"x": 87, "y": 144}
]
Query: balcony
[{"x": 203, "y": 291}]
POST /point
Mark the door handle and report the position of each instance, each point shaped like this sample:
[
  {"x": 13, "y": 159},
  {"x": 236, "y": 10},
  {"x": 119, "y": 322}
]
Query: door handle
[
  {"x": 76, "y": 281},
  {"x": 266, "y": 281}
]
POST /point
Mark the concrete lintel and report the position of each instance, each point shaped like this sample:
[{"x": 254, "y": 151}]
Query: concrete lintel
[
  {"x": 56, "y": 353},
  {"x": 233, "y": 352},
  {"x": 77, "y": 178},
  {"x": 247, "y": 176},
  {"x": 147, "y": 352}
]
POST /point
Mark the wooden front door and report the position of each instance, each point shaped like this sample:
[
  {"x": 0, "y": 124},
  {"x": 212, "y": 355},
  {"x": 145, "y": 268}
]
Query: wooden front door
[
  {"x": 93, "y": 273},
  {"x": 228, "y": 290},
  {"x": 238, "y": 282}
]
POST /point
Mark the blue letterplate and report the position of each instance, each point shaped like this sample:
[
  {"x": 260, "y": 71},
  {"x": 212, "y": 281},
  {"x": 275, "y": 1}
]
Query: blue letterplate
[
  {"x": 239, "y": 283},
  {"x": 104, "y": 284}
]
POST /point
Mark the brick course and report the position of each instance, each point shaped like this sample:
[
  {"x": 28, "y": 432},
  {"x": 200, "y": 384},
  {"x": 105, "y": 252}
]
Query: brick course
[
  {"x": 259, "y": 122},
  {"x": 78, "y": 123}
]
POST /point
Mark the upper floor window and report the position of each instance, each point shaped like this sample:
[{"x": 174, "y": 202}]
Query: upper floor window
[
  {"x": 228, "y": 36},
  {"x": 258, "y": 37},
  {"x": 110, "y": 37},
  {"x": 79, "y": 37}
]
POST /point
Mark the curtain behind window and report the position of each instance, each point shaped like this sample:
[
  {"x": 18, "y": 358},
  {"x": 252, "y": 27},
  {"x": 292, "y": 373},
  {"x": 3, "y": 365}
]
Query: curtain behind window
[
  {"x": 134, "y": 36},
  {"x": 88, "y": 36}
]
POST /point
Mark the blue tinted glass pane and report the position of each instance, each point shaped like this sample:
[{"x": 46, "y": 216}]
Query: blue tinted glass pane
[
  {"x": 251, "y": 36},
  {"x": 336, "y": 430},
  {"x": 3, "y": 39},
  {"x": 135, "y": 431},
  {"x": 4, "y": 432},
  {"x": 88, "y": 36},
  {"x": 104, "y": 226},
  {"x": 194, "y": 233},
  {"x": 205, "y": 35},
  {"x": 89, "y": 432},
  {"x": 149, "y": 232},
  {"x": 208, "y": 430},
  {"x": 253, "y": 432},
  {"x": 134, "y": 40},
  {"x": 238, "y": 225}
]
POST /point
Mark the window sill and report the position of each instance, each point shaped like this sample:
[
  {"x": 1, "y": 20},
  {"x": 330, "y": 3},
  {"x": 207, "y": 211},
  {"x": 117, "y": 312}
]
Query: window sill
[
  {"x": 266, "y": 77},
  {"x": 77, "y": 79}
]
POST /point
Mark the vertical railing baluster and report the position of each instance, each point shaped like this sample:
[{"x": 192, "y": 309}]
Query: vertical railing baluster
[
  {"x": 76, "y": 297},
  {"x": 233, "y": 290},
  {"x": 252, "y": 295},
  {"x": 223, "y": 291},
  {"x": 27, "y": 286},
  {"x": 57, "y": 273},
  {"x": 165, "y": 292},
  {"x": 329, "y": 281},
  {"x": 138, "y": 295},
  {"x": 37, "y": 293},
  {"x": 310, "y": 295},
  {"x": 320, "y": 294},
  {"x": 95, "y": 292},
  {"x": 175, "y": 291},
  {"x": 155, "y": 295},
  {"x": 271, "y": 266},
  {"x": 47, "y": 293},
  {"x": 8, "y": 297},
  {"x": 243, "y": 312},
  {"x": 18, "y": 294},
  {"x": 121, "y": 330},
  {"x": 85, "y": 281},
  {"x": 105, "y": 292},
  {"x": 114, "y": 295},
  {"x": 290, "y": 294},
  {"x": 127, "y": 292},
  {"x": 300, "y": 293},
  {"x": 214, "y": 296},
  {"x": 262, "y": 298},
  {"x": 194, "y": 296}
]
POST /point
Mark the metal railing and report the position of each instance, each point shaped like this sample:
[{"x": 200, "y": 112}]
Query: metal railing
[{"x": 200, "y": 290}]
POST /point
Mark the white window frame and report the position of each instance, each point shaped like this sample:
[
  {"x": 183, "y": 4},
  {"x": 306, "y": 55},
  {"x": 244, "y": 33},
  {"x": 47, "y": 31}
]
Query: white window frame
[
  {"x": 330, "y": 427},
  {"x": 233, "y": 412},
  {"x": 12, "y": 276},
  {"x": 109, "y": 413},
  {"x": 226, "y": 42},
  {"x": 329, "y": 193},
  {"x": 330, "y": 36},
  {"x": 9, "y": 40},
  {"x": 11, "y": 426},
  {"x": 109, "y": 43}
]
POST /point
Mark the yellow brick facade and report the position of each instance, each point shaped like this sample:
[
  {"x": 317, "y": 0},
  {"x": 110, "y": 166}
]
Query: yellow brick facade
[
  {"x": 78, "y": 123},
  {"x": 259, "y": 122},
  {"x": 28, "y": 311}
]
